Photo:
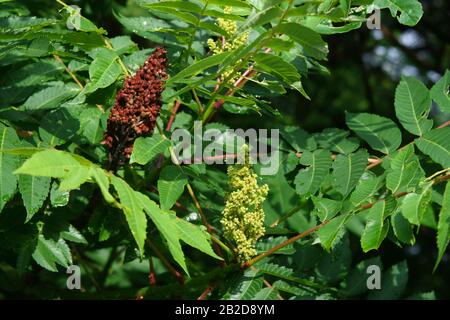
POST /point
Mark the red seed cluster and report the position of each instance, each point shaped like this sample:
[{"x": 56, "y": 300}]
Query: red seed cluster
[{"x": 137, "y": 106}]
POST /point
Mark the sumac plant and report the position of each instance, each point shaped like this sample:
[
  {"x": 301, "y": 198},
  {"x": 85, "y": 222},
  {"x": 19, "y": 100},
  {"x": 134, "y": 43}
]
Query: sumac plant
[{"x": 90, "y": 177}]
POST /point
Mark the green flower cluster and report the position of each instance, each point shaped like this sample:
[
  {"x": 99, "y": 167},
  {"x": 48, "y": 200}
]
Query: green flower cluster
[
  {"x": 229, "y": 43},
  {"x": 243, "y": 216}
]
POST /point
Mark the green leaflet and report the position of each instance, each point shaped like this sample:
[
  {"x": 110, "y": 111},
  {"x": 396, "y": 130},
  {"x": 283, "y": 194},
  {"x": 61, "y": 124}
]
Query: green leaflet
[
  {"x": 379, "y": 132},
  {"x": 275, "y": 65},
  {"x": 231, "y": 3},
  {"x": 366, "y": 189},
  {"x": 8, "y": 163},
  {"x": 181, "y": 5},
  {"x": 337, "y": 140},
  {"x": 436, "y": 144},
  {"x": 403, "y": 230},
  {"x": 58, "y": 197},
  {"x": 405, "y": 171},
  {"x": 196, "y": 237},
  {"x": 51, "y": 97},
  {"x": 57, "y": 164},
  {"x": 133, "y": 210},
  {"x": 72, "y": 234},
  {"x": 312, "y": 43},
  {"x": 443, "y": 230},
  {"x": 412, "y": 105},
  {"x": 414, "y": 205},
  {"x": 376, "y": 227},
  {"x": 49, "y": 163},
  {"x": 298, "y": 139},
  {"x": 245, "y": 287},
  {"x": 102, "y": 180},
  {"x": 198, "y": 67},
  {"x": 171, "y": 185},
  {"x": 262, "y": 17},
  {"x": 266, "y": 244},
  {"x": 347, "y": 169},
  {"x": 308, "y": 181},
  {"x": 440, "y": 92},
  {"x": 332, "y": 231},
  {"x": 174, "y": 229},
  {"x": 410, "y": 10},
  {"x": 326, "y": 208},
  {"x": 166, "y": 224},
  {"x": 49, "y": 252},
  {"x": 34, "y": 191},
  {"x": 90, "y": 124},
  {"x": 103, "y": 71},
  {"x": 58, "y": 126},
  {"x": 266, "y": 294},
  {"x": 146, "y": 149}
]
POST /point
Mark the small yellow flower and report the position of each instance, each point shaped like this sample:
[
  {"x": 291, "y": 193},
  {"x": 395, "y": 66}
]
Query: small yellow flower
[
  {"x": 243, "y": 215},
  {"x": 232, "y": 41}
]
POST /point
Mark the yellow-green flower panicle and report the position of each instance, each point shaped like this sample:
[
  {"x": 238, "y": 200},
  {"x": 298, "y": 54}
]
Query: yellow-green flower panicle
[
  {"x": 243, "y": 215},
  {"x": 232, "y": 41}
]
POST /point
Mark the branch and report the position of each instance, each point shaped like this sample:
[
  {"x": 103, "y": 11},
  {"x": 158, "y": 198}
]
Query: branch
[
  {"x": 173, "y": 114},
  {"x": 163, "y": 259},
  {"x": 152, "y": 274},
  {"x": 376, "y": 162},
  {"x": 306, "y": 233},
  {"x": 57, "y": 58},
  {"x": 207, "y": 291}
]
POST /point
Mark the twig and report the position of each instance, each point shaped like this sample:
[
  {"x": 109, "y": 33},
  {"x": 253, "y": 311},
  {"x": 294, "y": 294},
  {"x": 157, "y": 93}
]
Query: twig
[
  {"x": 221, "y": 245},
  {"x": 197, "y": 205},
  {"x": 285, "y": 216},
  {"x": 306, "y": 233},
  {"x": 200, "y": 106},
  {"x": 217, "y": 243},
  {"x": 122, "y": 65},
  {"x": 302, "y": 235},
  {"x": 173, "y": 114},
  {"x": 445, "y": 124},
  {"x": 207, "y": 291},
  {"x": 176, "y": 273},
  {"x": 380, "y": 160},
  {"x": 152, "y": 274},
  {"x": 57, "y": 58}
]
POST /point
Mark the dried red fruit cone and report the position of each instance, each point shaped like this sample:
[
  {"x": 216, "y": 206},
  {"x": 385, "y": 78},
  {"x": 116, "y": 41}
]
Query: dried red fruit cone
[{"x": 136, "y": 108}]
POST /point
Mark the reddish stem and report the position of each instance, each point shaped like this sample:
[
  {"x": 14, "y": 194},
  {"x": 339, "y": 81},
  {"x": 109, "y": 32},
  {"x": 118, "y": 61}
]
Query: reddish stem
[
  {"x": 207, "y": 291},
  {"x": 173, "y": 114}
]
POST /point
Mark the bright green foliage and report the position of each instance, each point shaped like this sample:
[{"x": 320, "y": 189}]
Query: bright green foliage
[
  {"x": 308, "y": 180},
  {"x": 436, "y": 145},
  {"x": 380, "y": 133},
  {"x": 405, "y": 172},
  {"x": 407, "y": 12},
  {"x": 440, "y": 93},
  {"x": 443, "y": 232},
  {"x": 347, "y": 170},
  {"x": 412, "y": 105},
  {"x": 376, "y": 228},
  {"x": 8, "y": 162},
  {"x": 34, "y": 191},
  {"x": 146, "y": 149},
  {"x": 171, "y": 183}
]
